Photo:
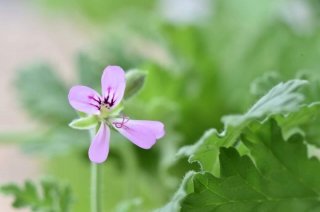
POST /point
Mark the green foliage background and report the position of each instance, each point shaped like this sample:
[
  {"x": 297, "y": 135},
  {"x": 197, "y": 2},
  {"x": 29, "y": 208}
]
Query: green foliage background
[{"x": 197, "y": 73}]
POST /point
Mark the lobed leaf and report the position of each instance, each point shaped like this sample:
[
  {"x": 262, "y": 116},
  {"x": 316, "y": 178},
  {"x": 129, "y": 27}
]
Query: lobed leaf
[
  {"x": 174, "y": 203},
  {"x": 43, "y": 94},
  {"x": 281, "y": 99},
  {"x": 50, "y": 197},
  {"x": 263, "y": 84},
  {"x": 275, "y": 180},
  {"x": 89, "y": 70},
  {"x": 305, "y": 120}
]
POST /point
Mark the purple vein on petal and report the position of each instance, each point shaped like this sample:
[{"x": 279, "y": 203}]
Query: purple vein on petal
[
  {"x": 140, "y": 132},
  {"x": 80, "y": 99},
  {"x": 113, "y": 83}
]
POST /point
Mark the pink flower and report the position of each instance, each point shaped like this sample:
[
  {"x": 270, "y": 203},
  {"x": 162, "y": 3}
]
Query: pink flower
[{"x": 140, "y": 132}]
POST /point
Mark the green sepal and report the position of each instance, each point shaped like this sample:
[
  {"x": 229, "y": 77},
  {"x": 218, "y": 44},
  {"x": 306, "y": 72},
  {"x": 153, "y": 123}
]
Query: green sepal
[
  {"x": 135, "y": 81},
  {"x": 84, "y": 123},
  {"x": 81, "y": 114}
]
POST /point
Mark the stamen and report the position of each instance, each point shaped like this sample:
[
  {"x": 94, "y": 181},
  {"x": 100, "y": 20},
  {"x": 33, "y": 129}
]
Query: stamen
[{"x": 121, "y": 124}]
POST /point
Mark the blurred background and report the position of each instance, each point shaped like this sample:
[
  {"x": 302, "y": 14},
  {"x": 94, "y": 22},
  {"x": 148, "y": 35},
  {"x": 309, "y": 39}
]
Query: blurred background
[{"x": 201, "y": 57}]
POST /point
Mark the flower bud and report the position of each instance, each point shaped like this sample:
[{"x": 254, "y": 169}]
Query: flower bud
[{"x": 135, "y": 81}]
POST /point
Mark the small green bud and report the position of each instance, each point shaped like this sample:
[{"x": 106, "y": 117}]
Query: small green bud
[{"x": 135, "y": 81}]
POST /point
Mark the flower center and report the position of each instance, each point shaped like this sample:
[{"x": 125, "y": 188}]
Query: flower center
[
  {"x": 106, "y": 104},
  {"x": 109, "y": 101}
]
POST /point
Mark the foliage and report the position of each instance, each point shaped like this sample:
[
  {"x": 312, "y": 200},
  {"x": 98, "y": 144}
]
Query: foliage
[
  {"x": 278, "y": 183},
  {"x": 96, "y": 10},
  {"x": 174, "y": 204},
  {"x": 49, "y": 196},
  {"x": 280, "y": 99},
  {"x": 273, "y": 180},
  {"x": 196, "y": 73},
  {"x": 266, "y": 175},
  {"x": 306, "y": 120},
  {"x": 43, "y": 93}
]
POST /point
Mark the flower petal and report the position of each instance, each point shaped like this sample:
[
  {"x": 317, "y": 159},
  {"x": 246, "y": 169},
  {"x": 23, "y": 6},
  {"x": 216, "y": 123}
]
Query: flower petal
[
  {"x": 84, "y": 99},
  {"x": 113, "y": 83},
  {"x": 99, "y": 148},
  {"x": 142, "y": 133}
]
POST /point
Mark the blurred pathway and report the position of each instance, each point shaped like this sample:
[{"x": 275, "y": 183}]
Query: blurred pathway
[{"x": 26, "y": 35}]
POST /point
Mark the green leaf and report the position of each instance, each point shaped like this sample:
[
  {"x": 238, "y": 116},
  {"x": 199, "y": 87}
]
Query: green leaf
[
  {"x": 263, "y": 84},
  {"x": 85, "y": 123},
  {"x": 43, "y": 94},
  {"x": 55, "y": 141},
  {"x": 135, "y": 81},
  {"x": 306, "y": 120},
  {"x": 59, "y": 196},
  {"x": 281, "y": 178},
  {"x": 174, "y": 203},
  {"x": 205, "y": 151},
  {"x": 287, "y": 159},
  {"x": 129, "y": 205},
  {"x": 50, "y": 197},
  {"x": 45, "y": 97},
  {"x": 89, "y": 70},
  {"x": 281, "y": 99}
]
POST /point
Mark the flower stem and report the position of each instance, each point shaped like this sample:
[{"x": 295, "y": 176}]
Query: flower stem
[
  {"x": 95, "y": 188},
  {"x": 95, "y": 185}
]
